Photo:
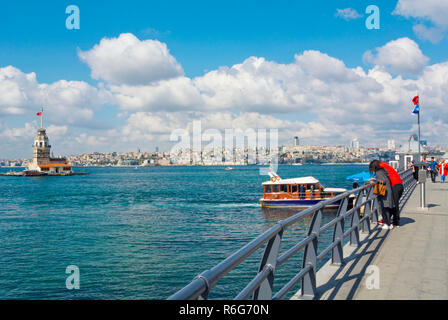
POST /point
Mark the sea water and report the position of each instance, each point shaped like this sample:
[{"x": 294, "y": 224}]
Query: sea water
[{"x": 141, "y": 233}]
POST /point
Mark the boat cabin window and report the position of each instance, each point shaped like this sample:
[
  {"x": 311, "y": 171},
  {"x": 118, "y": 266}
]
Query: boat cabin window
[
  {"x": 312, "y": 186},
  {"x": 284, "y": 188},
  {"x": 294, "y": 188},
  {"x": 275, "y": 188}
]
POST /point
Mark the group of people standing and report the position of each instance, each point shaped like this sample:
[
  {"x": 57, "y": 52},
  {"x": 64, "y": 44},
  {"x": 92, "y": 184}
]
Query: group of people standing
[
  {"x": 389, "y": 202},
  {"x": 436, "y": 168},
  {"x": 389, "y": 177}
]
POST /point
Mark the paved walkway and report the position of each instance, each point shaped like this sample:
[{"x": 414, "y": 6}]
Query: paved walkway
[{"x": 412, "y": 260}]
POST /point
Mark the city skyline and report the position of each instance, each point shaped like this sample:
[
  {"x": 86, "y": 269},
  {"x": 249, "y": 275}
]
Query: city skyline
[
  {"x": 119, "y": 83},
  {"x": 206, "y": 154}
]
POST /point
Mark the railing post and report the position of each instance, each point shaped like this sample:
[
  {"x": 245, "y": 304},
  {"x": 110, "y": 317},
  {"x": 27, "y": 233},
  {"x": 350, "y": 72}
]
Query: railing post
[
  {"x": 337, "y": 256},
  {"x": 376, "y": 209},
  {"x": 354, "y": 235},
  {"x": 310, "y": 257},
  {"x": 270, "y": 255},
  {"x": 367, "y": 212}
]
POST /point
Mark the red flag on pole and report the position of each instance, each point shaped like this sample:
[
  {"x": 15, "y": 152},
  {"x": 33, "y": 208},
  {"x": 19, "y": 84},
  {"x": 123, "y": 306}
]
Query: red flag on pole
[
  {"x": 415, "y": 100},
  {"x": 39, "y": 114}
]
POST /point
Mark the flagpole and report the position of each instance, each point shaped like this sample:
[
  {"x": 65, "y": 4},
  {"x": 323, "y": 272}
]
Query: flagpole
[
  {"x": 42, "y": 118},
  {"x": 419, "y": 110},
  {"x": 419, "y": 153}
]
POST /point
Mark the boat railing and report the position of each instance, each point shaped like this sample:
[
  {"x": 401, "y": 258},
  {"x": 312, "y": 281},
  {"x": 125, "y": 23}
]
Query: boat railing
[
  {"x": 366, "y": 209},
  {"x": 325, "y": 195}
]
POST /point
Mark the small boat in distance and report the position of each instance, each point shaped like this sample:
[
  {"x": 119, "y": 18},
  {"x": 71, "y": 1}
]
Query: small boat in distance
[
  {"x": 228, "y": 168},
  {"x": 296, "y": 164},
  {"x": 299, "y": 193}
]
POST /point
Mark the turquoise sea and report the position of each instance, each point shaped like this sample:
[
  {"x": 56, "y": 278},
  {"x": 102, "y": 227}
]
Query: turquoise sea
[{"x": 140, "y": 233}]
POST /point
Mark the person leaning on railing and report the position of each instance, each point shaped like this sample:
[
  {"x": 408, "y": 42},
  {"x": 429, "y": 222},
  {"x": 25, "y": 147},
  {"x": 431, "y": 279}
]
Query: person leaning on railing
[
  {"x": 385, "y": 199},
  {"x": 397, "y": 191}
]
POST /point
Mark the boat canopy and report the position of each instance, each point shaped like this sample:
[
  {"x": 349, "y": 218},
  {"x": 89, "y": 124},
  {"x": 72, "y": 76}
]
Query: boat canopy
[
  {"x": 302, "y": 180},
  {"x": 362, "y": 176}
]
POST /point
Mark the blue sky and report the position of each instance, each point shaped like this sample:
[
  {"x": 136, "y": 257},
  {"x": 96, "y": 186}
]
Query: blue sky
[{"x": 201, "y": 35}]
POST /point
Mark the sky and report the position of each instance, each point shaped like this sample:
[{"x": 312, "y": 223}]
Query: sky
[{"x": 135, "y": 71}]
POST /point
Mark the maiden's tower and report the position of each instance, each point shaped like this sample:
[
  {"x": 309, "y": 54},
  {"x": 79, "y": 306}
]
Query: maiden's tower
[{"x": 42, "y": 162}]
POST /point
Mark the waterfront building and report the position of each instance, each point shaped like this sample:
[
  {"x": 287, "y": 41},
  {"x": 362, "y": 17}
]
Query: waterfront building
[
  {"x": 296, "y": 141},
  {"x": 410, "y": 152},
  {"x": 391, "y": 144}
]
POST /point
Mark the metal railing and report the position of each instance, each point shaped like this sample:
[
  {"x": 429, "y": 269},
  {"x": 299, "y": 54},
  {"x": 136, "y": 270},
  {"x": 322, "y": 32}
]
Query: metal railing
[{"x": 261, "y": 286}]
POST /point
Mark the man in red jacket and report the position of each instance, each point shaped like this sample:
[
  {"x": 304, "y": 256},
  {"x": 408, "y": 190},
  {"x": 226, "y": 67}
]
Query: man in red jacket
[{"x": 397, "y": 191}]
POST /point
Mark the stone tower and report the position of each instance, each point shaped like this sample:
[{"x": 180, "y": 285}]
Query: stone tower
[{"x": 41, "y": 148}]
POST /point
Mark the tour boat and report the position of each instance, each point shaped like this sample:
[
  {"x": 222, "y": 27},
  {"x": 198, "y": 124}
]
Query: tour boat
[{"x": 297, "y": 193}]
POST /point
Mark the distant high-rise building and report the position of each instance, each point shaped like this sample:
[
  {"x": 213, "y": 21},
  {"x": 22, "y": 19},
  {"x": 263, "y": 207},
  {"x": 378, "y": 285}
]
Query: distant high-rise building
[
  {"x": 391, "y": 144},
  {"x": 157, "y": 149},
  {"x": 296, "y": 141},
  {"x": 354, "y": 144}
]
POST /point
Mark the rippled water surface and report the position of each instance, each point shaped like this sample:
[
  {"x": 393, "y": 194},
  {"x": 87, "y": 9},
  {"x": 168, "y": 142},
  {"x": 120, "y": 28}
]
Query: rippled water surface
[{"x": 140, "y": 233}]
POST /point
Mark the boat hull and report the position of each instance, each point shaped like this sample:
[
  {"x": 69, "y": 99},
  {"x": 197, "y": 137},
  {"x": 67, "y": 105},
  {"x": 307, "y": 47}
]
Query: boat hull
[{"x": 296, "y": 203}]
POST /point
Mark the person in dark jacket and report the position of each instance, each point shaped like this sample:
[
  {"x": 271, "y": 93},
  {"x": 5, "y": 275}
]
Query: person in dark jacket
[
  {"x": 397, "y": 190},
  {"x": 387, "y": 202}
]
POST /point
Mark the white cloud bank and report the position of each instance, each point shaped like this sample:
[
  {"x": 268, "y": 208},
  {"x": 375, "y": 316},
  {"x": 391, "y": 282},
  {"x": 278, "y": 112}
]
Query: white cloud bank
[{"x": 315, "y": 96}]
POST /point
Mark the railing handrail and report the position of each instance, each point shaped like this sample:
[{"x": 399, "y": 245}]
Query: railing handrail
[{"x": 200, "y": 287}]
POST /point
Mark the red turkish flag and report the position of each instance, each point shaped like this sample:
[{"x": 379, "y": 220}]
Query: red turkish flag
[
  {"x": 415, "y": 100},
  {"x": 39, "y": 114}
]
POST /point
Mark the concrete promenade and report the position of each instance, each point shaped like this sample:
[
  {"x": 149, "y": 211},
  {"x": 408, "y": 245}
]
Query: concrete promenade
[{"x": 412, "y": 260}]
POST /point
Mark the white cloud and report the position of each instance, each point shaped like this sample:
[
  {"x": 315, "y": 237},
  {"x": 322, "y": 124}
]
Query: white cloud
[
  {"x": 434, "y": 12},
  {"x": 347, "y": 14},
  {"x": 168, "y": 95},
  {"x": 56, "y": 131},
  {"x": 127, "y": 60},
  {"x": 63, "y": 101},
  {"x": 15, "y": 134},
  {"x": 402, "y": 56},
  {"x": 432, "y": 34},
  {"x": 86, "y": 140}
]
